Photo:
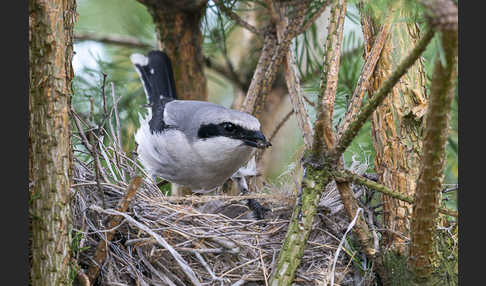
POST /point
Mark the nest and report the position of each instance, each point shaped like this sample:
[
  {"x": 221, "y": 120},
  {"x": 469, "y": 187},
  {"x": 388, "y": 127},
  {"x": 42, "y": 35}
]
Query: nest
[{"x": 216, "y": 238}]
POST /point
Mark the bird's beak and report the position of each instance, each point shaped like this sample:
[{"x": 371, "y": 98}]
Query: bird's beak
[{"x": 257, "y": 140}]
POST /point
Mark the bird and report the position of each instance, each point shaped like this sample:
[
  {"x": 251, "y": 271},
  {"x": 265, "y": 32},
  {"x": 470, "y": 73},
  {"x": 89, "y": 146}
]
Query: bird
[{"x": 196, "y": 144}]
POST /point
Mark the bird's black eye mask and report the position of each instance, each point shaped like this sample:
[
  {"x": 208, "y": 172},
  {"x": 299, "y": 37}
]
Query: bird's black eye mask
[{"x": 226, "y": 129}]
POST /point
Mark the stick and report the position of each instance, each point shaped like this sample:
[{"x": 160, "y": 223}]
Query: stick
[
  {"x": 101, "y": 250},
  {"x": 182, "y": 263}
]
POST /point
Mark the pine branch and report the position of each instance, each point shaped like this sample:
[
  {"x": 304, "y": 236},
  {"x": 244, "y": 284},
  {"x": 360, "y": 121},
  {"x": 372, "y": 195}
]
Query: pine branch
[
  {"x": 118, "y": 40},
  {"x": 429, "y": 183},
  {"x": 281, "y": 49},
  {"x": 297, "y": 98},
  {"x": 274, "y": 50},
  {"x": 299, "y": 228},
  {"x": 257, "y": 81},
  {"x": 348, "y": 176},
  {"x": 235, "y": 17},
  {"x": 351, "y": 132},
  {"x": 363, "y": 81},
  {"x": 314, "y": 17},
  {"x": 329, "y": 78}
]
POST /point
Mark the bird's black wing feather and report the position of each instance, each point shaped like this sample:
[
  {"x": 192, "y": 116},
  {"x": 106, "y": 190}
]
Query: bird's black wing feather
[{"x": 158, "y": 80}]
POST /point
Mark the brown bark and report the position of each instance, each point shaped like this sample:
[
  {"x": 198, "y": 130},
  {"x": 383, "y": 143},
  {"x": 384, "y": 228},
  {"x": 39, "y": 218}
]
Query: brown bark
[
  {"x": 397, "y": 124},
  {"x": 423, "y": 253},
  {"x": 50, "y": 75},
  {"x": 178, "y": 29}
]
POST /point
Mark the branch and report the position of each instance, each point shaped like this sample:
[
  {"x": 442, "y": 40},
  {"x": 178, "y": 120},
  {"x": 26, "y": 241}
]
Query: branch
[
  {"x": 297, "y": 99},
  {"x": 429, "y": 183},
  {"x": 363, "y": 81},
  {"x": 296, "y": 96},
  {"x": 348, "y": 176},
  {"x": 281, "y": 124},
  {"x": 225, "y": 71},
  {"x": 274, "y": 50},
  {"x": 132, "y": 42},
  {"x": 314, "y": 17},
  {"x": 350, "y": 132},
  {"x": 233, "y": 16},
  {"x": 329, "y": 79},
  {"x": 126, "y": 41}
]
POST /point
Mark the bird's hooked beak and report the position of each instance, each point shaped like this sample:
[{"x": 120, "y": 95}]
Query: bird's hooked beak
[{"x": 257, "y": 140}]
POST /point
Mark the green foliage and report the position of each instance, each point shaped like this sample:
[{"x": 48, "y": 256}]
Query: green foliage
[
  {"x": 119, "y": 17},
  {"x": 396, "y": 266}
]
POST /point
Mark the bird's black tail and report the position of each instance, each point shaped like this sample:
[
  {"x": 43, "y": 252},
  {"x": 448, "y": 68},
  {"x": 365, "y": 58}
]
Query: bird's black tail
[{"x": 155, "y": 71}]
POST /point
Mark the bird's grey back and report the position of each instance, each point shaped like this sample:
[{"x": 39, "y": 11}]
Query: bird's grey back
[{"x": 189, "y": 115}]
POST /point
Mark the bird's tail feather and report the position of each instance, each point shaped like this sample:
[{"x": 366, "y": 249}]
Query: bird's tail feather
[{"x": 155, "y": 71}]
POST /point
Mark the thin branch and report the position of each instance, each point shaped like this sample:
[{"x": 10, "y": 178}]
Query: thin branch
[
  {"x": 297, "y": 98},
  {"x": 235, "y": 17},
  {"x": 314, "y": 17},
  {"x": 350, "y": 132},
  {"x": 147, "y": 263},
  {"x": 257, "y": 80},
  {"x": 292, "y": 80},
  {"x": 118, "y": 40},
  {"x": 226, "y": 71},
  {"x": 281, "y": 124},
  {"x": 329, "y": 77},
  {"x": 336, "y": 255},
  {"x": 274, "y": 50},
  {"x": 348, "y": 176},
  {"x": 363, "y": 81},
  {"x": 132, "y": 42}
]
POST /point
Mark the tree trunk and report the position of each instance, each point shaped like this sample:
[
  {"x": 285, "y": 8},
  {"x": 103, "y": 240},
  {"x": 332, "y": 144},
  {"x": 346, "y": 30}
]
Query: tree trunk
[
  {"x": 397, "y": 123},
  {"x": 178, "y": 29},
  {"x": 50, "y": 50}
]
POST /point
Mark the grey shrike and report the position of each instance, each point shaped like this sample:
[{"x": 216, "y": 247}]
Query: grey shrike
[{"x": 190, "y": 143}]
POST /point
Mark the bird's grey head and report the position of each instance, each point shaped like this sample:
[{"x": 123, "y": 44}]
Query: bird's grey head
[{"x": 232, "y": 124}]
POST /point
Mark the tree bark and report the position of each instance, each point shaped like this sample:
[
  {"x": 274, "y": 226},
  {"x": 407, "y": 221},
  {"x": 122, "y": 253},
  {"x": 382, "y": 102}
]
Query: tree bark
[
  {"x": 178, "y": 29},
  {"x": 397, "y": 122},
  {"x": 50, "y": 75},
  {"x": 423, "y": 252}
]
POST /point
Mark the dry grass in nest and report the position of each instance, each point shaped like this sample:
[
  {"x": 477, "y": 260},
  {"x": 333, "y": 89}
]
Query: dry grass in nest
[{"x": 219, "y": 249}]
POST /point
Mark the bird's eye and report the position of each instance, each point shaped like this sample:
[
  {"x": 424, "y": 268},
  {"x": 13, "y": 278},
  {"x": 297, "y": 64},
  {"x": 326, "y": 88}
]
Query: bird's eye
[{"x": 230, "y": 127}]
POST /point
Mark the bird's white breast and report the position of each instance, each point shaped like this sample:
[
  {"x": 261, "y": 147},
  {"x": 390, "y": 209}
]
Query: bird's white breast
[{"x": 199, "y": 165}]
